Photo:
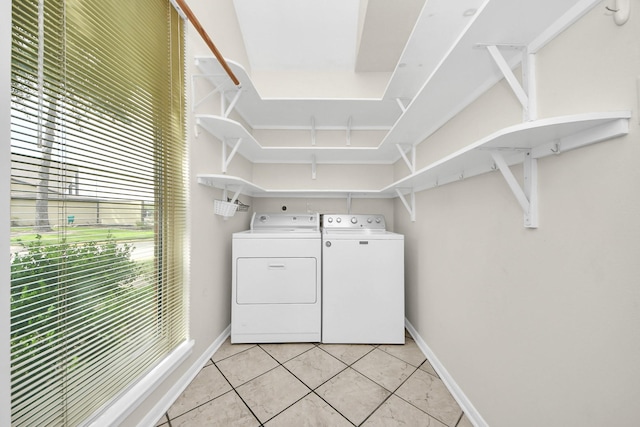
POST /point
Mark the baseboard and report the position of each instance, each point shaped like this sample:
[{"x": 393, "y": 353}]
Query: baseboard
[
  {"x": 116, "y": 411},
  {"x": 470, "y": 411},
  {"x": 176, "y": 390}
]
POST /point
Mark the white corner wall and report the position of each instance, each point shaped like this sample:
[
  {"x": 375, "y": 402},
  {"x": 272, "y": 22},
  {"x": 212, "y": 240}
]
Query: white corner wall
[{"x": 540, "y": 327}]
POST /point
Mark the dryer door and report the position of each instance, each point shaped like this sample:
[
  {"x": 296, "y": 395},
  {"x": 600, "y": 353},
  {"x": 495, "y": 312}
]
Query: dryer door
[{"x": 276, "y": 280}]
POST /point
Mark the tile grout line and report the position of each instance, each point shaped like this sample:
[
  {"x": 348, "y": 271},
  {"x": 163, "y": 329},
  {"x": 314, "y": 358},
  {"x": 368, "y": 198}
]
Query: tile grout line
[
  {"x": 311, "y": 391},
  {"x": 391, "y": 393},
  {"x": 233, "y": 389},
  {"x": 232, "y": 355}
]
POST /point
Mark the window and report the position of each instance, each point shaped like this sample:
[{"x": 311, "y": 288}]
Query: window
[{"x": 98, "y": 201}]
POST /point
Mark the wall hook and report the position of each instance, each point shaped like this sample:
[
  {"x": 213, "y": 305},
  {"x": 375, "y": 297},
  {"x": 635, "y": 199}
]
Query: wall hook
[
  {"x": 556, "y": 148},
  {"x": 621, "y": 10}
]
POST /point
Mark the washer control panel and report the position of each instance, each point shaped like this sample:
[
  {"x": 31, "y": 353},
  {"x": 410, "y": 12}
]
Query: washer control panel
[{"x": 353, "y": 222}]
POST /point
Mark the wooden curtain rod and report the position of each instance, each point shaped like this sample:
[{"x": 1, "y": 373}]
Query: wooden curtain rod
[{"x": 194, "y": 21}]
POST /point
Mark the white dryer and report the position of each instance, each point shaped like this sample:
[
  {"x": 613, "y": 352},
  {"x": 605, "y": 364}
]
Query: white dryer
[
  {"x": 276, "y": 275},
  {"x": 362, "y": 281}
]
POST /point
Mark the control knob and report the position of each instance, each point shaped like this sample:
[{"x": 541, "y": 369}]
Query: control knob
[{"x": 354, "y": 220}]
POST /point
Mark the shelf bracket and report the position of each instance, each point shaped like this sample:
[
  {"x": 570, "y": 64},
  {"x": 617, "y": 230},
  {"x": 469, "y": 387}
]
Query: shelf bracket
[
  {"x": 313, "y": 167},
  {"x": 409, "y": 205},
  {"x": 193, "y": 92},
  {"x": 349, "y": 130},
  {"x": 226, "y": 160},
  {"x": 525, "y": 93},
  {"x": 236, "y": 194},
  {"x": 527, "y": 197},
  {"x": 508, "y": 75},
  {"x": 411, "y": 164},
  {"x": 529, "y": 82},
  {"x": 403, "y": 107},
  {"x": 313, "y": 130},
  {"x": 234, "y": 101}
]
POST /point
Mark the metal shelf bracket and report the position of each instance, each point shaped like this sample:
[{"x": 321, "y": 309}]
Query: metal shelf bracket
[{"x": 527, "y": 196}]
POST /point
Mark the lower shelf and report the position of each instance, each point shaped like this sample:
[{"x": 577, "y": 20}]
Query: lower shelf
[{"x": 520, "y": 144}]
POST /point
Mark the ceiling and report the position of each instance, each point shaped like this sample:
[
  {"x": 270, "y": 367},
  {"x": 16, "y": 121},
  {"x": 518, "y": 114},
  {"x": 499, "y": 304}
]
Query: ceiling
[{"x": 327, "y": 35}]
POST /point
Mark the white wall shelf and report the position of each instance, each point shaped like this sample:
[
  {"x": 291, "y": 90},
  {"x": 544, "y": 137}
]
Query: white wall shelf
[
  {"x": 242, "y": 186},
  {"x": 448, "y": 85},
  {"x": 518, "y": 29},
  {"x": 501, "y": 35},
  {"x": 293, "y": 113},
  {"x": 522, "y": 143},
  {"x": 230, "y": 131}
]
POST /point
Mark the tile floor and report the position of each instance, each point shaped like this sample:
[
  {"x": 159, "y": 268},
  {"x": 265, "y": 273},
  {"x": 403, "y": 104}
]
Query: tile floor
[{"x": 316, "y": 385}]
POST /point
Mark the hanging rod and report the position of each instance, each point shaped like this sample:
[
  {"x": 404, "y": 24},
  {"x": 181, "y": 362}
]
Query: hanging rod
[{"x": 194, "y": 21}]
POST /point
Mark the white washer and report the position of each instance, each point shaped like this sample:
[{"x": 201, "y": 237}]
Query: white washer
[
  {"x": 276, "y": 275},
  {"x": 362, "y": 281}
]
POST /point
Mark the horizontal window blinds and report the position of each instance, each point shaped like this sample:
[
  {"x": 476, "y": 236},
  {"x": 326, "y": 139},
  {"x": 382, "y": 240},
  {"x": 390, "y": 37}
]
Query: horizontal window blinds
[{"x": 98, "y": 202}]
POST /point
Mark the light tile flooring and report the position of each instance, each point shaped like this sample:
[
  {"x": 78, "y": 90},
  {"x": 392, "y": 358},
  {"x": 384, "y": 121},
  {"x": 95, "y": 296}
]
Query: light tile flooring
[{"x": 316, "y": 385}]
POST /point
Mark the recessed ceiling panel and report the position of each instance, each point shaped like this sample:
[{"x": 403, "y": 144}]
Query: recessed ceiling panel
[{"x": 305, "y": 35}]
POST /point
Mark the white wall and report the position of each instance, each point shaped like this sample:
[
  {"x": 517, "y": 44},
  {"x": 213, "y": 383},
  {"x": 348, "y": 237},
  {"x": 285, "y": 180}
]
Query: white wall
[
  {"x": 343, "y": 177},
  {"x": 540, "y": 327}
]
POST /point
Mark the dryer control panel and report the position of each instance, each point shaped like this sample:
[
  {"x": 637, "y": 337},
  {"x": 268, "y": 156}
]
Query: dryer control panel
[
  {"x": 354, "y": 222},
  {"x": 285, "y": 221}
]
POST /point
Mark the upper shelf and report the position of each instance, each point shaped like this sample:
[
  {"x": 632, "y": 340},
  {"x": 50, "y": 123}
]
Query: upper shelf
[
  {"x": 468, "y": 70},
  {"x": 283, "y": 113},
  {"x": 452, "y": 79}
]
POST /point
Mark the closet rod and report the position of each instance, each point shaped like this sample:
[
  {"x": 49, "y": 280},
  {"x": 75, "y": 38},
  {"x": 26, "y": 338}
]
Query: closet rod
[{"x": 194, "y": 21}]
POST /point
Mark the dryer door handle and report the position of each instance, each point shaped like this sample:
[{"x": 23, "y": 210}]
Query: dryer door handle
[{"x": 277, "y": 266}]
